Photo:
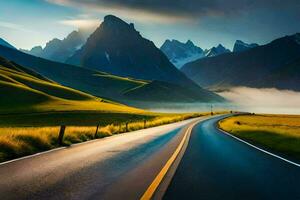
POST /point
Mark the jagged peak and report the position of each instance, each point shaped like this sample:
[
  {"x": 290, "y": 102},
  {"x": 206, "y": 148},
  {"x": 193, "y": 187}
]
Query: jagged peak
[
  {"x": 239, "y": 42},
  {"x": 54, "y": 40},
  {"x": 111, "y": 19},
  {"x": 220, "y": 46},
  {"x": 189, "y": 42},
  {"x": 37, "y": 48},
  {"x": 176, "y": 41},
  {"x": 116, "y": 25}
]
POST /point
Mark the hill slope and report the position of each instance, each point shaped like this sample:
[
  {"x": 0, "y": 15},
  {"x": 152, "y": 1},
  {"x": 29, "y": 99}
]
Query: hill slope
[
  {"x": 26, "y": 91},
  {"x": 284, "y": 77},
  {"x": 6, "y": 44},
  {"x": 93, "y": 82},
  {"x": 247, "y": 68},
  {"x": 165, "y": 91}
]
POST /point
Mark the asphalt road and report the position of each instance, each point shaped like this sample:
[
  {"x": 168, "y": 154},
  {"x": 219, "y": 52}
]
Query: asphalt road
[
  {"x": 117, "y": 167},
  {"x": 217, "y": 166}
]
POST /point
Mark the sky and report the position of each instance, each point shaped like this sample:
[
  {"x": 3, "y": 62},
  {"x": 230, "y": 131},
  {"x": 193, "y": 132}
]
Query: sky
[{"x": 207, "y": 23}]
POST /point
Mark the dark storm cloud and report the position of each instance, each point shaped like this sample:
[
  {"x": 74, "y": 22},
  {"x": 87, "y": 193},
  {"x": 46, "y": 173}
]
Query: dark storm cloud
[
  {"x": 187, "y": 8},
  {"x": 218, "y": 21}
]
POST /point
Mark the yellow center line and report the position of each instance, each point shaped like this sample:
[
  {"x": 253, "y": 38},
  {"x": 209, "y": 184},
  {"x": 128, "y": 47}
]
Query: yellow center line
[{"x": 158, "y": 179}]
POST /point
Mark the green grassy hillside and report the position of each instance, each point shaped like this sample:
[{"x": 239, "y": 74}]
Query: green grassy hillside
[
  {"x": 165, "y": 91},
  {"x": 26, "y": 91},
  {"x": 102, "y": 84}
]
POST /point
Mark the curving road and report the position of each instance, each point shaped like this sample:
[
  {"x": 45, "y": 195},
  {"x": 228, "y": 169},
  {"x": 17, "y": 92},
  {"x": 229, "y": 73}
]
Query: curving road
[
  {"x": 117, "y": 167},
  {"x": 213, "y": 166},
  {"x": 217, "y": 166}
]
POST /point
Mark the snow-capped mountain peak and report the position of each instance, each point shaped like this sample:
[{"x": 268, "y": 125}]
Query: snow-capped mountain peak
[
  {"x": 180, "y": 53},
  {"x": 215, "y": 51}
]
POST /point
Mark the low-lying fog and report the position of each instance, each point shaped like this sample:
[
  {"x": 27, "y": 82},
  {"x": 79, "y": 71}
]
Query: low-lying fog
[{"x": 268, "y": 100}]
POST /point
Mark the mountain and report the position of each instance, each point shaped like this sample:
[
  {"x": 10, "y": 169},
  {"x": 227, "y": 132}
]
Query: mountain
[
  {"x": 181, "y": 53},
  {"x": 6, "y": 44},
  {"x": 28, "y": 91},
  {"x": 242, "y": 46},
  {"x": 35, "y": 51},
  {"x": 100, "y": 84},
  {"x": 284, "y": 77},
  {"x": 164, "y": 91},
  {"x": 261, "y": 66},
  {"x": 117, "y": 48},
  {"x": 60, "y": 50},
  {"x": 215, "y": 51}
]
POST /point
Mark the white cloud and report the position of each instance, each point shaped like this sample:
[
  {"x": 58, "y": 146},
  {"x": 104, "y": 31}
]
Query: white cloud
[
  {"x": 124, "y": 12},
  {"x": 81, "y": 23}
]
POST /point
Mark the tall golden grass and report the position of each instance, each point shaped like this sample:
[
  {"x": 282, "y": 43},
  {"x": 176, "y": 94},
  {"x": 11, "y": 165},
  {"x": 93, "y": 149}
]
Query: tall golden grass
[
  {"x": 280, "y": 133},
  {"x": 287, "y": 125},
  {"x": 20, "y": 141}
]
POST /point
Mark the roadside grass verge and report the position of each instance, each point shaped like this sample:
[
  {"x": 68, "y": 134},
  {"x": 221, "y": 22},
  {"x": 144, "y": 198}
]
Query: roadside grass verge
[
  {"x": 278, "y": 133},
  {"x": 17, "y": 141}
]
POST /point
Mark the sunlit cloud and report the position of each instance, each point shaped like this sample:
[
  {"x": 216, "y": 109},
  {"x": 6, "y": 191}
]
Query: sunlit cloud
[
  {"x": 81, "y": 23},
  {"x": 139, "y": 15}
]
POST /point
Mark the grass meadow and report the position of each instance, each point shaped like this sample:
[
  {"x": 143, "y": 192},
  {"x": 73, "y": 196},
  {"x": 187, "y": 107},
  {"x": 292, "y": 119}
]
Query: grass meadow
[
  {"x": 18, "y": 140},
  {"x": 279, "y": 133}
]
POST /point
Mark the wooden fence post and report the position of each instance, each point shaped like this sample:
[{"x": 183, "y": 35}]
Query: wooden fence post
[
  {"x": 126, "y": 126},
  {"x": 96, "y": 131},
  {"x": 61, "y": 134}
]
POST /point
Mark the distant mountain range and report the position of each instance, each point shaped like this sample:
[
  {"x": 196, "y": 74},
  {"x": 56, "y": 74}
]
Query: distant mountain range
[
  {"x": 6, "y": 44},
  {"x": 181, "y": 53},
  {"x": 272, "y": 65},
  {"x": 60, "y": 50}
]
